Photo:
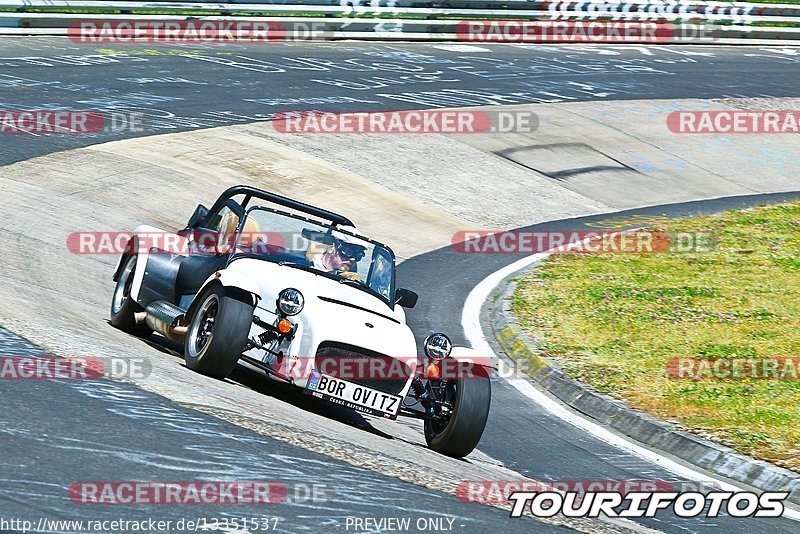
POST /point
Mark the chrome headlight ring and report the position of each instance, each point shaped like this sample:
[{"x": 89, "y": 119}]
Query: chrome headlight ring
[{"x": 290, "y": 301}]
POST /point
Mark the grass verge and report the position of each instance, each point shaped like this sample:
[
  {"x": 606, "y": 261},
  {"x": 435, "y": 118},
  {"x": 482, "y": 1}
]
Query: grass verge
[{"x": 614, "y": 322}]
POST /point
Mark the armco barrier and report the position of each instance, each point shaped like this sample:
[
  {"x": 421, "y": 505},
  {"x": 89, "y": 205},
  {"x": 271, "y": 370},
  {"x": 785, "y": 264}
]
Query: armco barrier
[{"x": 722, "y": 22}]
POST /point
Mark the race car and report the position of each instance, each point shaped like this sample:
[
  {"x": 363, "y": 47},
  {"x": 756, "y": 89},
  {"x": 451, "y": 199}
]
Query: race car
[{"x": 291, "y": 289}]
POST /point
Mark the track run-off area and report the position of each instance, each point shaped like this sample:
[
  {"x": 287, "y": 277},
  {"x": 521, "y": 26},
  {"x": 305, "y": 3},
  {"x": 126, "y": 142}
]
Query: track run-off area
[{"x": 602, "y": 150}]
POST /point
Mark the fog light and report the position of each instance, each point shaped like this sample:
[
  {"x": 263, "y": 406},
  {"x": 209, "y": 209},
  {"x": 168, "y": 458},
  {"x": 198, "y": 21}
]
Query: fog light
[{"x": 284, "y": 326}]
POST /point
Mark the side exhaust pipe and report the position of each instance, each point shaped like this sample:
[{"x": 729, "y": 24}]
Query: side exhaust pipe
[
  {"x": 166, "y": 319},
  {"x": 173, "y": 332}
]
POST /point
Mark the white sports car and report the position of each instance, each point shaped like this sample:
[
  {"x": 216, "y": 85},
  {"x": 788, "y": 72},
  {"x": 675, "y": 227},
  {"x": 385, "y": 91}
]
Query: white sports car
[{"x": 283, "y": 286}]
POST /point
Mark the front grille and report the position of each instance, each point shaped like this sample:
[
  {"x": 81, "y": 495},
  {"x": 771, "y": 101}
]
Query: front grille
[{"x": 357, "y": 365}]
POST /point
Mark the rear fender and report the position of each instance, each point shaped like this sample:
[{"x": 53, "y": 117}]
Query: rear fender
[{"x": 141, "y": 236}]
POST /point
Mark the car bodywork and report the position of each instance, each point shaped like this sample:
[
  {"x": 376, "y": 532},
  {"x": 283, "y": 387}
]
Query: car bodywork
[{"x": 341, "y": 317}]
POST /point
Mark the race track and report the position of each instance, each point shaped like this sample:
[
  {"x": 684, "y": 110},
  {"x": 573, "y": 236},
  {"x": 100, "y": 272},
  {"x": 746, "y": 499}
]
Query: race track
[{"x": 374, "y": 469}]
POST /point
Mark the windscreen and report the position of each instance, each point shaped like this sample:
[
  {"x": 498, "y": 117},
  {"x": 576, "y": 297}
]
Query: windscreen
[{"x": 296, "y": 241}]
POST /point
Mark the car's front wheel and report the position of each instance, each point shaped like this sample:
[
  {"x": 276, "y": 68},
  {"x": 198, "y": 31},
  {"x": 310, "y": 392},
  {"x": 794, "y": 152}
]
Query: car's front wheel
[
  {"x": 469, "y": 398},
  {"x": 218, "y": 333}
]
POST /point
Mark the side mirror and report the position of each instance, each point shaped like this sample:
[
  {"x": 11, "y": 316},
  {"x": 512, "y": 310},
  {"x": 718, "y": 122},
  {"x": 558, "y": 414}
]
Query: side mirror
[
  {"x": 199, "y": 214},
  {"x": 405, "y": 298}
]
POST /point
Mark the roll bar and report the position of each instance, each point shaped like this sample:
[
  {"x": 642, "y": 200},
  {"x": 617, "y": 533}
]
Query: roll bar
[{"x": 253, "y": 192}]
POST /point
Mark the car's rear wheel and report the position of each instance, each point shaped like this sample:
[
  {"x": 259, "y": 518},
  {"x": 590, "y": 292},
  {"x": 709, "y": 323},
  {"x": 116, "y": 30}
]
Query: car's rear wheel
[
  {"x": 470, "y": 397},
  {"x": 123, "y": 307},
  {"x": 218, "y": 333}
]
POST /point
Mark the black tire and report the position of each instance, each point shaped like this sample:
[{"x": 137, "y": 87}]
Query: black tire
[
  {"x": 218, "y": 333},
  {"x": 472, "y": 396},
  {"x": 123, "y": 307}
]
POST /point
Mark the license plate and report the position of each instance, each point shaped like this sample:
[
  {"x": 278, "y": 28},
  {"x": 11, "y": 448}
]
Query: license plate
[{"x": 354, "y": 396}]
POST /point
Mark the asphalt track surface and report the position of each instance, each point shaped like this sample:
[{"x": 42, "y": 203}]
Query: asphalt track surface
[
  {"x": 179, "y": 89},
  {"x": 57, "y": 432}
]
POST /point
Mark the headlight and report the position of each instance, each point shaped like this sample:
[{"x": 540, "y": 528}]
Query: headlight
[
  {"x": 290, "y": 301},
  {"x": 438, "y": 346}
]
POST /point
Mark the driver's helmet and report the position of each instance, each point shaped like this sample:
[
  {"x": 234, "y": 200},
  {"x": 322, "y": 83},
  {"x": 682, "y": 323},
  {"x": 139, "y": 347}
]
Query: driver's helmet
[{"x": 346, "y": 248}]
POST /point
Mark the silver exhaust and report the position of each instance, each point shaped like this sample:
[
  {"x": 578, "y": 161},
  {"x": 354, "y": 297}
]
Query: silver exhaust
[{"x": 166, "y": 319}]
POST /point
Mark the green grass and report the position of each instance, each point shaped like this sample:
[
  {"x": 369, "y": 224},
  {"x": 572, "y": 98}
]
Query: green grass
[{"x": 613, "y": 322}]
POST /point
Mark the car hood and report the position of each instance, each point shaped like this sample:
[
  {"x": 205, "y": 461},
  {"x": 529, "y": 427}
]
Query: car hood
[
  {"x": 324, "y": 296},
  {"x": 333, "y": 313},
  {"x": 272, "y": 278}
]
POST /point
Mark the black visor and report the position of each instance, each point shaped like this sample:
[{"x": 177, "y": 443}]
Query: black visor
[{"x": 350, "y": 250}]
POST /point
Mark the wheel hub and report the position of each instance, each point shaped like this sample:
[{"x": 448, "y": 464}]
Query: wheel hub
[{"x": 206, "y": 330}]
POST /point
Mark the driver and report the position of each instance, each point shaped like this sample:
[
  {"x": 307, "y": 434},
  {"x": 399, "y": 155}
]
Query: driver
[{"x": 341, "y": 257}]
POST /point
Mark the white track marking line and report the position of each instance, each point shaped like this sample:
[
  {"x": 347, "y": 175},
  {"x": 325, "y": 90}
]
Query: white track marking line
[
  {"x": 462, "y": 48},
  {"x": 470, "y": 321}
]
